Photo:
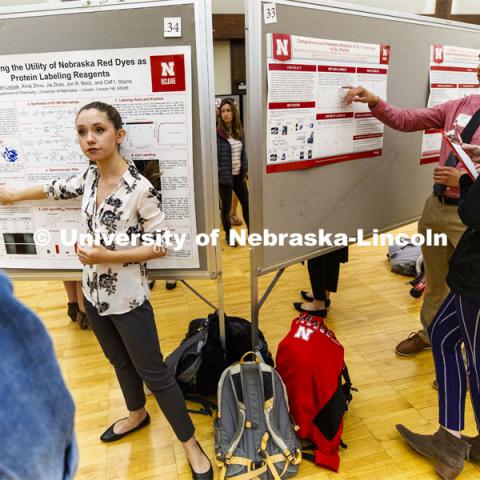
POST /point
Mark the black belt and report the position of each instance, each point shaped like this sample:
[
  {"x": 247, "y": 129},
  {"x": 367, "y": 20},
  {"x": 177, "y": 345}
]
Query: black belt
[{"x": 446, "y": 200}]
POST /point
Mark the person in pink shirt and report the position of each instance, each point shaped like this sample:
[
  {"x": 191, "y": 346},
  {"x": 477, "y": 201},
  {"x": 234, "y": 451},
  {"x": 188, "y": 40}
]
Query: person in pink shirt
[{"x": 440, "y": 211}]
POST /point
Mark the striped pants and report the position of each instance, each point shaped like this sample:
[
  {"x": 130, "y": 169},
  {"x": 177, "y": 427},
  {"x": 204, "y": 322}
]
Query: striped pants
[{"x": 456, "y": 322}]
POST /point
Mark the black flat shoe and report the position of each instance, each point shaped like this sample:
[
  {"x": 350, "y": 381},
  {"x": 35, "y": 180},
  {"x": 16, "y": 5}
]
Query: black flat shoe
[
  {"x": 110, "y": 436},
  {"x": 309, "y": 298},
  {"x": 82, "y": 320},
  {"x": 316, "y": 313},
  {"x": 208, "y": 475},
  {"x": 72, "y": 311}
]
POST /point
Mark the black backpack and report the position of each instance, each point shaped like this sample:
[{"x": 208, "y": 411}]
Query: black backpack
[{"x": 200, "y": 360}]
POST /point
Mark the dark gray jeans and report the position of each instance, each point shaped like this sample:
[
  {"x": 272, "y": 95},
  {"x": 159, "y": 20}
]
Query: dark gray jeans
[{"x": 130, "y": 342}]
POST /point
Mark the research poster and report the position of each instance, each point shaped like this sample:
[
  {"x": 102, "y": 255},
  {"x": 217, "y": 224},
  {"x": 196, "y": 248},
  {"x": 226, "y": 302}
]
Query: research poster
[
  {"x": 308, "y": 123},
  {"x": 453, "y": 74},
  {"x": 40, "y": 95}
]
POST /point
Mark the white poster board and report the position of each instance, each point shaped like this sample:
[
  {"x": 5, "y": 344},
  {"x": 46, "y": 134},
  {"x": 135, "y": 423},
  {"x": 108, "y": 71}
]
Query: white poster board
[
  {"x": 308, "y": 123},
  {"x": 453, "y": 74},
  {"x": 40, "y": 95}
]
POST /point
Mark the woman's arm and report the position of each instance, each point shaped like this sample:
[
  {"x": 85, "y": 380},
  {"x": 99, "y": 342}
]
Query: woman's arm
[
  {"x": 244, "y": 159},
  {"x": 60, "y": 189},
  {"x": 101, "y": 254},
  {"x": 152, "y": 219},
  {"x": 469, "y": 205},
  {"x": 8, "y": 196}
]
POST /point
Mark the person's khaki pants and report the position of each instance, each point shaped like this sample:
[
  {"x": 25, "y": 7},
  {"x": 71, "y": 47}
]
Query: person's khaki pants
[{"x": 438, "y": 218}]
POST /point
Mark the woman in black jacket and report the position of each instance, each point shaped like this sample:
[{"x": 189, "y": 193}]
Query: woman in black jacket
[
  {"x": 232, "y": 164},
  {"x": 456, "y": 322}
]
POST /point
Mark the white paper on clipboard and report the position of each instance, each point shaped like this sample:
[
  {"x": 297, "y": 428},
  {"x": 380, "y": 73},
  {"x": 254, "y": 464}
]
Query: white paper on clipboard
[{"x": 460, "y": 153}]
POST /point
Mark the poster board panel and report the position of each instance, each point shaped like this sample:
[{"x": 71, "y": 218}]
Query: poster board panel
[
  {"x": 370, "y": 193},
  {"x": 136, "y": 27}
]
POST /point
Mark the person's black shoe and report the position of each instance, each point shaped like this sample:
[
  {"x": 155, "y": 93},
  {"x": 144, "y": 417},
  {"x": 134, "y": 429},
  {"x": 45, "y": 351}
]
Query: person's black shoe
[
  {"x": 72, "y": 311},
  {"x": 208, "y": 475},
  {"x": 110, "y": 436},
  {"x": 170, "y": 284},
  {"x": 307, "y": 296},
  {"x": 317, "y": 313},
  {"x": 82, "y": 320}
]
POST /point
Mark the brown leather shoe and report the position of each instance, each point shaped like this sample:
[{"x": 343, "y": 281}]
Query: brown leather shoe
[
  {"x": 474, "y": 454},
  {"x": 447, "y": 450},
  {"x": 412, "y": 345}
]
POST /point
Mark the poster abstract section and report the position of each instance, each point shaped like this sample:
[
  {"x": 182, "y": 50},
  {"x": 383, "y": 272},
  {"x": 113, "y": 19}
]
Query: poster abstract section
[
  {"x": 40, "y": 96},
  {"x": 308, "y": 123}
]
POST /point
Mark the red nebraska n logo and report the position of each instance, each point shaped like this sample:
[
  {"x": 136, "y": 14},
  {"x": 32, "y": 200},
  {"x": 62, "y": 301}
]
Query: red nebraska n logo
[
  {"x": 168, "y": 73},
  {"x": 438, "y": 53},
  {"x": 282, "y": 47},
  {"x": 168, "y": 69},
  {"x": 384, "y": 54},
  {"x": 303, "y": 333}
]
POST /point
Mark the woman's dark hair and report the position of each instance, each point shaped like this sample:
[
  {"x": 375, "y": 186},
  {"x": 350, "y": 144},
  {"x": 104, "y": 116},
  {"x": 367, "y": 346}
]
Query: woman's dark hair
[
  {"x": 236, "y": 130},
  {"x": 112, "y": 112}
]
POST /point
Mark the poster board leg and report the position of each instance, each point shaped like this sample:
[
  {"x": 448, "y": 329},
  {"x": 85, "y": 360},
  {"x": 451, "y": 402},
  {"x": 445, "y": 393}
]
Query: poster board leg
[{"x": 255, "y": 308}]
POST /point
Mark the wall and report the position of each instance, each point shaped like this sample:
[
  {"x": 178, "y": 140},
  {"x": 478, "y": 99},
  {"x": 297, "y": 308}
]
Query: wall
[
  {"x": 8, "y": 3},
  {"x": 222, "y": 74},
  {"x": 425, "y": 7},
  {"x": 465, "y": 7}
]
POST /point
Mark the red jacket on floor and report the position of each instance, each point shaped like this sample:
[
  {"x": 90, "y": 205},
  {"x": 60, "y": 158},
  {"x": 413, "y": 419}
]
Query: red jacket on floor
[{"x": 310, "y": 361}]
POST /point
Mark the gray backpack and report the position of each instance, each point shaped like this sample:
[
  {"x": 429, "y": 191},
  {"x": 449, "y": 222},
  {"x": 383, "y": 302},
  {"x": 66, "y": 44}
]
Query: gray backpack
[
  {"x": 403, "y": 259},
  {"x": 254, "y": 433}
]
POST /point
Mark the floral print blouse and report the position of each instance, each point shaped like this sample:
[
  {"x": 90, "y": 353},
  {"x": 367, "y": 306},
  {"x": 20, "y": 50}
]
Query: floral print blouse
[{"x": 133, "y": 208}]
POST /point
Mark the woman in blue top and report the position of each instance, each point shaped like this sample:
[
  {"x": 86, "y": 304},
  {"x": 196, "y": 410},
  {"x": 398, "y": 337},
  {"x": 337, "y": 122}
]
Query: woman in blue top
[
  {"x": 117, "y": 199},
  {"x": 232, "y": 164}
]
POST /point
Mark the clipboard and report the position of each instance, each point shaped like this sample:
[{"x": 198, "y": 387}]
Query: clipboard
[{"x": 459, "y": 152}]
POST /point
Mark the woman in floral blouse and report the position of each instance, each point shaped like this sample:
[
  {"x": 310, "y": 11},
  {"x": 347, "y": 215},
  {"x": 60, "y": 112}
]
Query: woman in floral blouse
[{"x": 116, "y": 199}]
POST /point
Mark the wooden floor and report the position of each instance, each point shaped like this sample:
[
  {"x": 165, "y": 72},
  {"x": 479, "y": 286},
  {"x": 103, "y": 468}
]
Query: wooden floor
[{"x": 370, "y": 314}]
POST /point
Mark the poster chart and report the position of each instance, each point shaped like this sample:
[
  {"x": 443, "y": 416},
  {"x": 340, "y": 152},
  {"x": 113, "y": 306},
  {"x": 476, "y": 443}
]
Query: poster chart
[
  {"x": 40, "y": 95},
  {"x": 308, "y": 123},
  {"x": 453, "y": 74}
]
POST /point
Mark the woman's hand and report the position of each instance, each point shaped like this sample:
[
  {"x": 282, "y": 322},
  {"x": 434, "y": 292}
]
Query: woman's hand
[
  {"x": 94, "y": 255},
  {"x": 7, "y": 196},
  {"x": 473, "y": 151},
  {"x": 360, "y": 95}
]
